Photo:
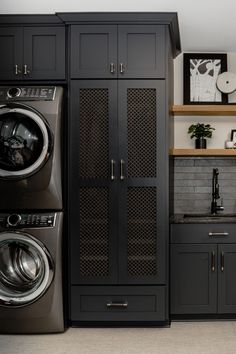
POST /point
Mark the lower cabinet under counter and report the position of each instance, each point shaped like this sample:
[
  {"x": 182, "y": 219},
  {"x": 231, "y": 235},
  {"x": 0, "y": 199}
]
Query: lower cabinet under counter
[
  {"x": 136, "y": 304},
  {"x": 203, "y": 275}
]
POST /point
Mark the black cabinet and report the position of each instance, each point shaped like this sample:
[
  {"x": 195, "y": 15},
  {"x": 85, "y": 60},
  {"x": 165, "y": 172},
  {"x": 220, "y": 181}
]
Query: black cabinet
[
  {"x": 119, "y": 165},
  {"x": 32, "y": 53},
  {"x": 123, "y": 51},
  {"x": 118, "y": 199},
  {"x": 203, "y": 274},
  {"x": 118, "y": 192}
]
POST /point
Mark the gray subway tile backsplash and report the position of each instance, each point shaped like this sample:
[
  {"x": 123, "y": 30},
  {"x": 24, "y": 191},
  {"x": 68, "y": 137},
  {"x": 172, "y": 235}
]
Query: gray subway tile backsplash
[{"x": 193, "y": 183}]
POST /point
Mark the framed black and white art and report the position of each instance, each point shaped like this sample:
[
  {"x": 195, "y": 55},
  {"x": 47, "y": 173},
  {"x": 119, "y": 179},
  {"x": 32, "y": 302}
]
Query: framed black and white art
[{"x": 201, "y": 71}]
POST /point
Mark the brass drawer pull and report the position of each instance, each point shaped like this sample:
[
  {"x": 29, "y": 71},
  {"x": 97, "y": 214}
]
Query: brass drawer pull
[
  {"x": 217, "y": 234},
  {"x": 117, "y": 305}
]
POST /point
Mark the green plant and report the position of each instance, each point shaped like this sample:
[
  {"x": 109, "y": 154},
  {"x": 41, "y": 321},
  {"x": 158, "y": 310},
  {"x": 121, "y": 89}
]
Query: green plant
[{"x": 200, "y": 130}]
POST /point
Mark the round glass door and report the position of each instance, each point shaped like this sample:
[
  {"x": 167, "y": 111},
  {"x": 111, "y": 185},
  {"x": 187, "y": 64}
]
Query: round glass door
[
  {"x": 26, "y": 269},
  {"x": 24, "y": 141}
]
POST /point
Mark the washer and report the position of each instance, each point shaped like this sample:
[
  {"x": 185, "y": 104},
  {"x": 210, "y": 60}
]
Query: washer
[
  {"x": 31, "y": 298},
  {"x": 30, "y": 147}
]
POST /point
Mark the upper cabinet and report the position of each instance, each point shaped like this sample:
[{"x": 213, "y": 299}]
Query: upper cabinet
[
  {"x": 32, "y": 53},
  {"x": 118, "y": 51}
]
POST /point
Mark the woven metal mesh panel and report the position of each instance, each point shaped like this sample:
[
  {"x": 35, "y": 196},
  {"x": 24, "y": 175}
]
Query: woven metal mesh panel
[
  {"x": 94, "y": 133},
  {"x": 141, "y": 111},
  {"x": 142, "y": 232},
  {"x": 94, "y": 232}
]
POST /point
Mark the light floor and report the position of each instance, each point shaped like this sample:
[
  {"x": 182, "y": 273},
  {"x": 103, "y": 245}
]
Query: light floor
[{"x": 181, "y": 338}]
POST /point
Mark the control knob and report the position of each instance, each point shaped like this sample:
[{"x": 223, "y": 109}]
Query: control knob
[
  {"x": 13, "y": 219},
  {"x": 14, "y": 92}
]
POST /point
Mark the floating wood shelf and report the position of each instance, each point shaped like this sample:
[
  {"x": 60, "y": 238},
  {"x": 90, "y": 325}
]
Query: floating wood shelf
[
  {"x": 203, "y": 152},
  {"x": 204, "y": 110}
]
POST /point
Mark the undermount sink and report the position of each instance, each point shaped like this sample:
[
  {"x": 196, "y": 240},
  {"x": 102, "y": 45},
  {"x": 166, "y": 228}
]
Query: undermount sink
[{"x": 209, "y": 215}]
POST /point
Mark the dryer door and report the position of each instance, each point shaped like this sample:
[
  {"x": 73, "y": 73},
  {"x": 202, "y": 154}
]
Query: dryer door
[
  {"x": 26, "y": 269},
  {"x": 25, "y": 141}
]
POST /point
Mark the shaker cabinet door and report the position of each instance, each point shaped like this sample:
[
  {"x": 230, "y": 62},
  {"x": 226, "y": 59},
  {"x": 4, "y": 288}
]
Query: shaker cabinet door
[
  {"x": 226, "y": 280},
  {"x": 193, "y": 279},
  {"x": 94, "y": 51},
  {"x": 11, "y": 57},
  {"x": 44, "y": 53},
  {"x": 141, "y": 51}
]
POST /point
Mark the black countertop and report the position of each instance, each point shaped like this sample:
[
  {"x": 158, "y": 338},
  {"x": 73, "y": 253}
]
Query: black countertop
[{"x": 203, "y": 219}]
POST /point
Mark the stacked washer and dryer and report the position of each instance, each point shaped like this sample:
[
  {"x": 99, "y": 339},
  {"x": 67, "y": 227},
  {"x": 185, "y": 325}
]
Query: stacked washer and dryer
[{"x": 31, "y": 217}]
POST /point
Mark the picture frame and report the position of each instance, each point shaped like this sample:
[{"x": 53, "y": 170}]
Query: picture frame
[
  {"x": 233, "y": 136},
  {"x": 200, "y": 75}
]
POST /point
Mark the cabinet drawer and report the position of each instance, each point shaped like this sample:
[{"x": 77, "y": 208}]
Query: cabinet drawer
[
  {"x": 109, "y": 303},
  {"x": 203, "y": 233}
]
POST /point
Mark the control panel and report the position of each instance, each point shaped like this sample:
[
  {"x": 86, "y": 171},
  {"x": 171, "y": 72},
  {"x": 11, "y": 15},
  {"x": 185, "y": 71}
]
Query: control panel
[
  {"x": 27, "y": 93},
  {"x": 18, "y": 221}
]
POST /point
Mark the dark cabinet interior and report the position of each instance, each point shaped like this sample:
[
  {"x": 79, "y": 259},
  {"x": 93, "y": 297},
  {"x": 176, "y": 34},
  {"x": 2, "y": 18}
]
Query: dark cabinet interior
[
  {"x": 32, "y": 53},
  {"x": 202, "y": 274}
]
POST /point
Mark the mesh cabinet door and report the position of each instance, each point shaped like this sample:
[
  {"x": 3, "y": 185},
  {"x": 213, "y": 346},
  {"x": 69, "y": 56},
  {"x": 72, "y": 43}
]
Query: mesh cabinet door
[
  {"x": 92, "y": 184},
  {"x": 143, "y": 175}
]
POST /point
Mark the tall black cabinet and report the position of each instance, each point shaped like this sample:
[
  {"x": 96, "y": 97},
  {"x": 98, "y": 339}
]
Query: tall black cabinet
[
  {"x": 116, "y": 181},
  {"x": 121, "y": 69}
]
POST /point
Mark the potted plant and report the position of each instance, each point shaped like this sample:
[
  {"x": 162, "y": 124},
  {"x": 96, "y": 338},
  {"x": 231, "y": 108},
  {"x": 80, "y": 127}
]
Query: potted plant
[{"x": 200, "y": 131}]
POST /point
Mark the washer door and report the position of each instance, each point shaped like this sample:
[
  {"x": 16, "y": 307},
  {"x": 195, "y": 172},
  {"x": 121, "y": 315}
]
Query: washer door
[
  {"x": 25, "y": 141},
  {"x": 26, "y": 269}
]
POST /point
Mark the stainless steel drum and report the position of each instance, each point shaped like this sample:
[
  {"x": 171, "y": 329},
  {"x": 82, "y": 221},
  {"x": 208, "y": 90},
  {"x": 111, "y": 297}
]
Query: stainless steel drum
[
  {"x": 25, "y": 141},
  {"x": 26, "y": 269}
]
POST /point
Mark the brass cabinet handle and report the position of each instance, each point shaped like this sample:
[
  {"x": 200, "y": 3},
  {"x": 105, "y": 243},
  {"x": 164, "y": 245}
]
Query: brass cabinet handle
[
  {"x": 217, "y": 234},
  {"x": 122, "y": 169},
  {"x": 117, "y": 304},
  {"x": 17, "y": 70},
  {"x": 26, "y": 70},
  {"x": 122, "y": 68},
  {"x": 112, "y": 68},
  {"x": 222, "y": 261},
  {"x": 112, "y": 169},
  {"x": 213, "y": 261}
]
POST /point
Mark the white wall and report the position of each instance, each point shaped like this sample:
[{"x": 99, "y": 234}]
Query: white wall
[
  {"x": 44, "y": 6},
  {"x": 222, "y": 124},
  {"x": 205, "y": 25}
]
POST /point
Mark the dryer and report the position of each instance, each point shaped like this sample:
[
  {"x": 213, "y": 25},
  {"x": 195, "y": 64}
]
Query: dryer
[
  {"x": 30, "y": 147},
  {"x": 31, "y": 298}
]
